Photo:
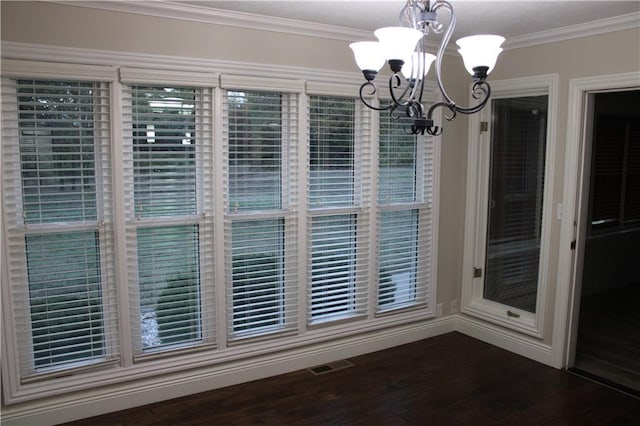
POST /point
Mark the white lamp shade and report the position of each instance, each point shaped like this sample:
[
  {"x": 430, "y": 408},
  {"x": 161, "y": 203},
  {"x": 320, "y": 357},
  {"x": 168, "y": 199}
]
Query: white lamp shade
[
  {"x": 368, "y": 55},
  {"x": 480, "y": 50},
  {"x": 398, "y": 42},
  {"x": 412, "y": 67}
]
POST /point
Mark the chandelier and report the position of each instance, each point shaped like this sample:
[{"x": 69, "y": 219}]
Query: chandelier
[{"x": 404, "y": 48}]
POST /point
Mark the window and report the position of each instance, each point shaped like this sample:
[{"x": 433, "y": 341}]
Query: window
[
  {"x": 261, "y": 149},
  {"x": 167, "y": 161},
  {"x": 60, "y": 230},
  {"x": 403, "y": 216},
  {"x": 155, "y": 221},
  {"x": 337, "y": 288},
  {"x": 509, "y": 206}
]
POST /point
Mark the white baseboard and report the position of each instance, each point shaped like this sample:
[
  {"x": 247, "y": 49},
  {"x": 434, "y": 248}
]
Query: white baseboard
[
  {"x": 520, "y": 344},
  {"x": 127, "y": 395}
]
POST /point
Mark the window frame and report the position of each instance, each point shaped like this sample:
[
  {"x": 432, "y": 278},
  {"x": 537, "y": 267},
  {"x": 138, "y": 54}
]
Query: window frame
[
  {"x": 425, "y": 170},
  {"x": 290, "y": 92},
  {"x": 204, "y": 85},
  {"x": 477, "y": 198},
  {"x": 15, "y": 383},
  {"x": 360, "y": 215}
]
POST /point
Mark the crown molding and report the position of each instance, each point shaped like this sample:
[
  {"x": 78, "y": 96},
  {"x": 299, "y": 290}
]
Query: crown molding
[
  {"x": 607, "y": 25},
  {"x": 77, "y": 55},
  {"x": 190, "y": 12}
]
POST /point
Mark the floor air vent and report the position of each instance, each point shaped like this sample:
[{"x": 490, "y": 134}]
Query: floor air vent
[{"x": 330, "y": 367}]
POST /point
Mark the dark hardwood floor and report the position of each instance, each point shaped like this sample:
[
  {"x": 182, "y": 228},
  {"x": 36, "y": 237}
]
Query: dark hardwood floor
[{"x": 446, "y": 380}]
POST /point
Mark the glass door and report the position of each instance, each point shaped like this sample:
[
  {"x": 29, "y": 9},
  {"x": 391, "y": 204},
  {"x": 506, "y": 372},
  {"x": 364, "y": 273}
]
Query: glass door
[
  {"x": 510, "y": 205},
  {"x": 514, "y": 208}
]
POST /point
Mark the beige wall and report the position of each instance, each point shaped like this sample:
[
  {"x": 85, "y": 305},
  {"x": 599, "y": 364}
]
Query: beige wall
[{"x": 617, "y": 52}]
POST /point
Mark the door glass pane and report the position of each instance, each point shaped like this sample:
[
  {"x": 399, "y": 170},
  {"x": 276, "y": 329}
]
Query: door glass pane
[{"x": 516, "y": 189}]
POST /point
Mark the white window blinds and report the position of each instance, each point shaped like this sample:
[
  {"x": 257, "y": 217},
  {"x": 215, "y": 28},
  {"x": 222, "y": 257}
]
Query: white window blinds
[
  {"x": 332, "y": 151},
  {"x": 338, "y": 179},
  {"x": 168, "y": 164},
  {"x": 405, "y": 166},
  {"x": 261, "y": 238},
  {"x": 57, "y": 202},
  {"x": 111, "y": 192}
]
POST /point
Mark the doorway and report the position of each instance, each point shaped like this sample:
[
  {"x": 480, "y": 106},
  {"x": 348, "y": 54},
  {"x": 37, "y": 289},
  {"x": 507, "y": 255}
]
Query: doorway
[{"x": 607, "y": 340}]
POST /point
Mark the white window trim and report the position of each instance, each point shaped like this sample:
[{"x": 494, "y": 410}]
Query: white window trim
[
  {"x": 360, "y": 208},
  {"x": 204, "y": 83},
  {"x": 11, "y": 369},
  {"x": 423, "y": 204},
  {"x": 288, "y": 212},
  {"x": 477, "y": 195}
]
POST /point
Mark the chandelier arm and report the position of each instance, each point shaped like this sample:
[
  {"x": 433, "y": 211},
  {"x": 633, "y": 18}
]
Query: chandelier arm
[
  {"x": 393, "y": 114},
  {"x": 481, "y": 90},
  {"x": 451, "y": 106},
  {"x": 417, "y": 85},
  {"x": 406, "y": 13},
  {"x": 443, "y": 46},
  {"x": 421, "y": 67},
  {"x": 373, "y": 92},
  {"x": 397, "y": 100}
]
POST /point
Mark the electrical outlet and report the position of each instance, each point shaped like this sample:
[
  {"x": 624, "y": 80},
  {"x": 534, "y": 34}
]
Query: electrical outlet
[
  {"x": 454, "y": 306},
  {"x": 439, "y": 310}
]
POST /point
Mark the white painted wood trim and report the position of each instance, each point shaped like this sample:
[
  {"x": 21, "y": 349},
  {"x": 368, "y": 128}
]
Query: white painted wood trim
[
  {"x": 261, "y": 83},
  {"x": 158, "y": 76},
  {"x": 607, "y": 25},
  {"x": 509, "y": 340},
  {"x": 565, "y": 283},
  {"x": 75, "y": 55},
  {"x": 477, "y": 198},
  {"x": 37, "y": 69}
]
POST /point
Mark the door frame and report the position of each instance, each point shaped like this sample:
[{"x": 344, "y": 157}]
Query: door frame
[{"x": 575, "y": 209}]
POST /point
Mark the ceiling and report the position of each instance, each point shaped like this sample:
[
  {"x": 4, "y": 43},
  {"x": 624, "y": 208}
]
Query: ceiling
[{"x": 513, "y": 18}]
